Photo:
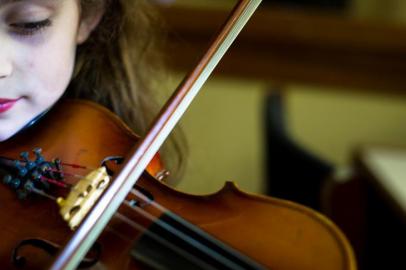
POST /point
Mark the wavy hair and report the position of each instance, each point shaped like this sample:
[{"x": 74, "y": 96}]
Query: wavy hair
[{"x": 120, "y": 66}]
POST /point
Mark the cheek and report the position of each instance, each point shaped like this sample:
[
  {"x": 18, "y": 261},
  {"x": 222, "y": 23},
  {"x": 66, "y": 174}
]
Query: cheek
[{"x": 51, "y": 64}]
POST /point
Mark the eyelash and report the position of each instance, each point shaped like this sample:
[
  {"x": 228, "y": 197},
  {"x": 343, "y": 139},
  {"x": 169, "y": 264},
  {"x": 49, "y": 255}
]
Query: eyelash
[{"x": 30, "y": 28}]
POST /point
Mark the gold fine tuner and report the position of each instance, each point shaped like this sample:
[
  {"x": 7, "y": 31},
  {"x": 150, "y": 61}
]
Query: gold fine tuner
[{"x": 83, "y": 196}]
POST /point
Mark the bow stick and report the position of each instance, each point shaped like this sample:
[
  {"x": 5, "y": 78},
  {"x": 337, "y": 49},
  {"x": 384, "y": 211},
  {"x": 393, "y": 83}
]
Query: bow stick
[{"x": 144, "y": 151}]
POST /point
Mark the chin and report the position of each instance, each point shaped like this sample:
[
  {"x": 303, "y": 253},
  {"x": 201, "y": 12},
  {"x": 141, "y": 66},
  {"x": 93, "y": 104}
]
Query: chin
[{"x": 6, "y": 134}]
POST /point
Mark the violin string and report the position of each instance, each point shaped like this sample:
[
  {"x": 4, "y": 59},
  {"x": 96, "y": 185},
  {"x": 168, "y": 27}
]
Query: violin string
[
  {"x": 167, "y": 228},
  {"x": 179, "y": 234},
  {"x": 164, "y": 242},
  {"x": 62, "y": 184},
  {"x": 65, "y": 173},
  {"x": 163, "y": 225},
  {"x": 141, "y": 229},
  {"x": 137, "y": 227},
  {"x": 76, "y": 166},
  {"x": 154, "y": 204},
  {"x": 42, "y": 193}
]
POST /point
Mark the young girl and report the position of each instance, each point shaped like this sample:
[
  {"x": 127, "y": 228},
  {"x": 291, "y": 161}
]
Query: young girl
[{"x": 100, "y": 50}]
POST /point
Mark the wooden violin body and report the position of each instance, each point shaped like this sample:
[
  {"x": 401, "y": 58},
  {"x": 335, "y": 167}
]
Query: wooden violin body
[{"x": 275, "y": 233}]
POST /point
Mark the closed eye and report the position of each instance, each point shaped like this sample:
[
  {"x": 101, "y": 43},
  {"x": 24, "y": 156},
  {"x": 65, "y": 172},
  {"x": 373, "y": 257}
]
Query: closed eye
[{"x": 30, "y": 28}]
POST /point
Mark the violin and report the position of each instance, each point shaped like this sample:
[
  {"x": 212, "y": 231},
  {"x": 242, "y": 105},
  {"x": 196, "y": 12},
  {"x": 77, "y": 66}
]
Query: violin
[
  {"x": 273, "y": 233},
  {"x": 121, "y": 215}
]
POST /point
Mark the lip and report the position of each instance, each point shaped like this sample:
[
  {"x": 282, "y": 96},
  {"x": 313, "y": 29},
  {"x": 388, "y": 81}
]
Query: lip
[{"x": 6, "y": 104}]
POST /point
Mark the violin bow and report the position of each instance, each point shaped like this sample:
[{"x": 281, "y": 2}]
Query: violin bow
[{"x": 143, "y": 152}]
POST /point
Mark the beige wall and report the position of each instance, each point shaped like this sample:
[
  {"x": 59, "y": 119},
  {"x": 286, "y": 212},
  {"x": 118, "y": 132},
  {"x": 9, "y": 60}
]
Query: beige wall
[
  {"x": 333, "y": 121},
  {"x": 224, "y": 123},
  {"x": 385, "y": 10},
  {"x": 224, "y": 132},
  {"x": 224, "y": 129}
]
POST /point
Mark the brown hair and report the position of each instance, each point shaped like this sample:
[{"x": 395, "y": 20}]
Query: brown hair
[{"x": 119, "y": 65}]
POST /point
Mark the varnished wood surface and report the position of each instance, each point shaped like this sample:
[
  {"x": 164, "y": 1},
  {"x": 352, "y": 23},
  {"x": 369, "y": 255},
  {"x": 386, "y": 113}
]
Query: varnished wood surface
[{"x": 277, "y": 233}]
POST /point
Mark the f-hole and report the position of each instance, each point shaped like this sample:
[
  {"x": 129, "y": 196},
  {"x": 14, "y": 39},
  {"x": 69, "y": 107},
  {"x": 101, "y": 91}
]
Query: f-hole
[{"x": 51, "y": 249}]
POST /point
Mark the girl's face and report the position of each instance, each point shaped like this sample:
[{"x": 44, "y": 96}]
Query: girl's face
[{"x": 38, "y": 40}]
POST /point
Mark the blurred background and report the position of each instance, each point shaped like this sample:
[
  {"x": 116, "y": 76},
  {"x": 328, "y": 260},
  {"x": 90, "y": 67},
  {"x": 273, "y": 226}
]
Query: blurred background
[{"x": 309, "y": 105}]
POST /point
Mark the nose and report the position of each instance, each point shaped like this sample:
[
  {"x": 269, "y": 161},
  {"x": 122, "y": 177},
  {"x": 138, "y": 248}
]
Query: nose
[{"x": 6, "y": 57}]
